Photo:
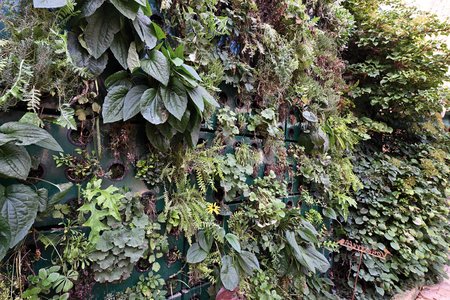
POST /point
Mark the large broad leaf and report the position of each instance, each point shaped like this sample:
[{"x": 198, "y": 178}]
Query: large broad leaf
[
  {"x": 90, "y": 6},
  {"x": 319, "y": 260},
  {"x": 113, "y": 105},
  {"x": 248, "y": 262},
  {"x": 100, "y": 30},
  {"x": 152, "y": 107},
  {"x": 19, "y": 206},
  {"x": 155, "y": 137},
  {"x": 15, "y": 161},
  {"x": 191, "y": 72},
  {"x": 197, "y": 97},
  {"x": 133, "y": 61},
  {"x": 178, "y": 125},
  {"x": 175, "y": 99},
  {"x": 199, "y": 94},
  {"x": 157, "y": 66},
  {"x": 144, "y": 30},
  {"x": 23, "y": 134},
  {"x": 299, "y": 252},
  {"x": 131, "y": 106},
  {"x": 116, "y": 79},
  {"x": 233, "y": 240},
  {"x": 126, "y": 7},
  {"x": 119, "y": 48},
  {"x": 5, "y": 237},
  {"x": 196, "y": 254},
  {"x": 228, "y": 273},
  {"x": 81, "y": 58},
  {"x": 205, "y": 241}
]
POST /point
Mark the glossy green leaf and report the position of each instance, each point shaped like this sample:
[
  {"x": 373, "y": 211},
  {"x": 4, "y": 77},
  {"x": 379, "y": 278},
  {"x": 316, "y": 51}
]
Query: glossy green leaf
[
  {"x": 113, "y": 105},
  {"x": 142, "y": 25},
  {"x": 116, "y": 79},
  {"x": 131, "y": 106},
  {"x": 248, "y": 262},
  {"x": 19, "y": 208},
  {"x": 191, "y": 72},
  {"x": 175, "y": 100},
  {"x": 233, "y": 240},
  {"x": 157, "y": 66},
  {"x": 119, "y": 48},
  {"x": 160, "y": 35},
  {"x": 126, "y": 7},
  {"x": 15, "y": 161},
  {"x": 197, "y": 97},
  {"x": 23, "y": 134},
  {"x": 299, "y": 252},
  {"x": 329, "y": 213},
  {"x": 195, "y": 254},
  {"x": 152, "y": 107},
  {"x": 205, "y": 241},
  {"x": 228, "y": 273},
  {"x": 100, "y": 30},
  {"x": 133, "y": 61}
]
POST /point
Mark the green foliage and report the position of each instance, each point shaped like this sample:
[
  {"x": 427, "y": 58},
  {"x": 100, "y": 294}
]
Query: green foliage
[
  {"x": 50, "y": 280},
  {"x": 150, "y": 169},
  {"x": 172, "y": 104},
  {"x": 100, "y": 204},
  {"x": 398, "y": 60},
  {"x": 402, "y": 207},
  {"x": 122, "y": 241},
  {"x": 33, "y": 61},
  {"x": 149, "y": 287},
  {"x": 20, "y": 203},
  {"x": 79, "y": 167}
]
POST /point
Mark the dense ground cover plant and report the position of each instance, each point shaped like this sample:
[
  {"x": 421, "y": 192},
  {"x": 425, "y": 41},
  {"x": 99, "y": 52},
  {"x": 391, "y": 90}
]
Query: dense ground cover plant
[
  {"x": 328, "y": 114},
  {"x": 400, "y": 61}
]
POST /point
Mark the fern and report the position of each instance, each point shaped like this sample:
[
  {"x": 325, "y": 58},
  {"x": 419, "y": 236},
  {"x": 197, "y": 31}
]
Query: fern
[
  {"x": 67, "y": 12},
  {"x": 66, "y": 119},
  {"x": 32, "y": 97}
]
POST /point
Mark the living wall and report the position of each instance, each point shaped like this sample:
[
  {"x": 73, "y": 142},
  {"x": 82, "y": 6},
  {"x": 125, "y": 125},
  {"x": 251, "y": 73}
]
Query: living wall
[{"x": 220, "y": 149}]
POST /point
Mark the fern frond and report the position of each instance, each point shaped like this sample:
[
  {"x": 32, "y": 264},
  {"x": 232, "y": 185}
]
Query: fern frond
[
  {"x": 32, "y": 97},
  {"x": 67, "y": 12}
]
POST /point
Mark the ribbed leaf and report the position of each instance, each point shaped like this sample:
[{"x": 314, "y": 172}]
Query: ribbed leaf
[
  {"x": 157, "y": 66},
  {"x": 15, "y": 161},
  {"x": 19, "y": 206},
  {"x": 152, "y": 107},
  {"x": 100, "y": 30}
]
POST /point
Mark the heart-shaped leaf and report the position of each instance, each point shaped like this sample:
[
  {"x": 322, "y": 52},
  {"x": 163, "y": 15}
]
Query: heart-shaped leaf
[
  {"x": 157, "y": 66},
  {"x": 175, "y": 100},
  {"x": 19, "y": 206},
  {"x": 131, "y": 106},
  {"x": 152, "y": 107},
  {"x": 195, "y": 254},
  {"x": 15, "y": 161},
  {"x": 113, "y": 105},
  {"x": 100, "y": 30}
]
